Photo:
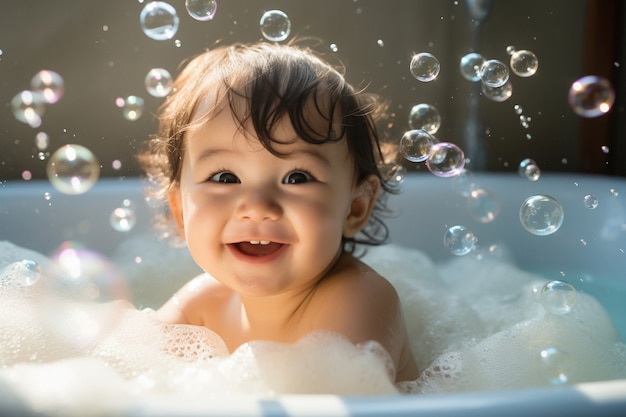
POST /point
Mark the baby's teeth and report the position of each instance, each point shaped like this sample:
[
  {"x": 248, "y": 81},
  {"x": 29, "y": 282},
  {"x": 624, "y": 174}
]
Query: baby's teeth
[
  {"x": 254, "y": 242},
  {"x": 265, "y": 242},
  {"x": 257, "y": 242}
]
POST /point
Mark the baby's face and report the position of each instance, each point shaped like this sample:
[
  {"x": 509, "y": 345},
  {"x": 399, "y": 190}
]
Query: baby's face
[{"x": 259, "y": 223}]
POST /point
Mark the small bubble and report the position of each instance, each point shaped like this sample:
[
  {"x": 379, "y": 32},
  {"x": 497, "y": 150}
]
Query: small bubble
[
  {"x": 591, "y": 96},
  {"x": 529, "y": 169},
  {"x": 27, "y": 175},
  {"x": 425, "y": 116},
  {"x": 73, "y": 169},
  {"x": 518, "y": 109},
  {"x": 483, "y": 206},
  {"x": 459, "y": 240},
  {"x": 583, "y": 242},
  {"x": 541, "y": 215},
  {"x": 524, "y": 63},
  {"x": 605, "y": 149},
  {"x": 334, "y": 47},
  {"x": 158, "y": 82},
  {"x": 123, "y": 219},
  {"x": 555, "y": 365},
  {"x": 510, "y": 50},
  {"x": 380, "y": 43},
  {"x": 42, "y": 140},
  {"x": 445, "y": 160},
  {"x": 590, "y": 201},
  {"x": 470, "y": 66},
  {"x": 116, "y": 164},
  {"x": 132, "y": 108},
  {"x": 614, "y": 192},
  {"x": 202, "y": 10},
  {"x": 424, "y": 67},
  {"x": 49, "y": 84},
  {"x": 275, "y": 25},
  {"x": 28, "y": 107},
  {"x": 498, "y": 94},
  {"x": 494, "y": 73},
  {"x": 415, "y": 145},
  {"x": 558, "y": 297},
  {"x": 159, "y": 20}
]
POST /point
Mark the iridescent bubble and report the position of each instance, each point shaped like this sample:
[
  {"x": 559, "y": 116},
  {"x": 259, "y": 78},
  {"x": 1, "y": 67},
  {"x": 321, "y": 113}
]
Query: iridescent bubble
[
  {"x": 591, "y": 96},
  {"x": 24, "y": 273},
  {"x": 541, "y": 215},
  {"x": 529, "y": 169},
  {"x": 424, "y": 67},
  {"x": 558, "y": 297},
  {"x": 459, "y": 240},
  {"x": 445, "y": 159},
  {"x": 425, "y": 116},
  {"x": 556, "y": 365},
  {"x": 132, "y": 108},
  {"x": 470, "y": 66},
  {"x": 49, "y": 84},
  {"x": 483, "y": 206},
  {"x": 590, "y": 201},
  {"x": 158, "y": 82},
  {"x": 42, "y": 140},
  {"x": 494, "y": 73},
  {"x": 159, "y": 20},
  {"x": 73, "y": 169},
  {"x": 123, "y": 219},
  {"x": 415, "y": 145},
  {"x": 201, "y": 9},
  {"x": 524, "y": 63},
  {"x": 498, "y": 94},
  {"x": 28, "y": 107},
  {"x": 275, "y": 25}
]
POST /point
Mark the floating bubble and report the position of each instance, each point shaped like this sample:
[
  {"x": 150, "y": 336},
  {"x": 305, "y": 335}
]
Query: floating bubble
[
  {"x": 529, "y": 169},
  {"x": 524, "y": 63},
  {"x": 49, "y": 84},
  {"x": 73, "y": 169},
  {"x": 464, "y": 183},
  {"x": 483, "y": 206},
  {"x": 541, "y": 215},
  {"x": 425, "y": 116},
  {"x": 123, "y": 219},
  {"x": 556, "y": 365},
  {"x": 445, "y": 159},
  {"x": 158, "y": 82},
  {"x": 42, "y": 140},
  {"x": 202, "y": 10},
  {"x": 558, "y": 297},
  {"x": 159, "y": 20},
  {"x": 470, "y": 66},
  {"x": 494, "y": 73},
  {"x": 396, "y": 174},
  {"x": 132, "y": 108},
  {"x": 415, "y": 145},
  {"x": 591, "y": 96},
  {"x": 424, "y": 67},
  {"x": 275, "y": 25},
  {"x": 510, "y": 50},
  {"x": 28, "y": 107},
  {"x": 498, "y": 94},
  {"x": 459, "y": 240},
  {"x": 24, "y": 273},
  {"x": 614, "y": 192},
  {"x": 590, "y": 201}
]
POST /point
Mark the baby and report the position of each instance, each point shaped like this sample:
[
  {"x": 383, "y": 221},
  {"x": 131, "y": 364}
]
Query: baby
[{"x": 269, "y": 161}]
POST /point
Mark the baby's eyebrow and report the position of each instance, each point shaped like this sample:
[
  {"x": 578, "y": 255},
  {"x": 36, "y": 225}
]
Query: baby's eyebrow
[
  {"x": 209, "y": 153},
  {"x": 311, "y": 153}
]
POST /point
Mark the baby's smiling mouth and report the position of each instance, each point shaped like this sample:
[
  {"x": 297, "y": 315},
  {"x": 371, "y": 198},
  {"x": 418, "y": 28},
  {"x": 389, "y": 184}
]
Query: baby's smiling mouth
[{"x": 258, "y": 247}]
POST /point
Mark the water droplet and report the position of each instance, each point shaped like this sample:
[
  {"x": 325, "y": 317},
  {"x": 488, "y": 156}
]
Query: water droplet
[
  {"x": 541, "y": 215},
  {"x": 158, "y": 82},
  {"x": 202, "y": 10},
  {"x": 558, "y": 297},
  {"x": 529, "y": 169},
  {"x": 590, "y": 201},
  {"x": 334, "y": 47},
  {"x": 28, "y": 107},
  {"x": 275, "y": 25},
  {"x": 614, "y": 192},
  {"x": 425, "y": 116},
  {"x": 132, "y": 108},
  {"x": 524, "y": 63},
  {"x": 424, "y": 67},
  {"x": 380, "y": 43},
  {"x": 591, "y": 96},
  {"x": 518, "y": 109},
  {"x": 73, "y": 169},
  {"x": 498, "y": 94},
  {"x": 459, "y": 240},
  {"x": 49, "y": 84},
  {"x": 555, "y": 365},
  {"x": 494, "y": 73},
  {"x": 445, "y": 159},
  {"x": 123, "y": 219},
  {"x": 415, "y": 145},
  {"x": 605, "y": 149},
  {"x": 483, "y": 206},
  {"x": 159, "y": 20},
  {"x": 470, "y": 66}
]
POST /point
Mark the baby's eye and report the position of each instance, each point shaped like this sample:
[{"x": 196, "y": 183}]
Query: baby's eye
[
  {"x": 297, "y": 177},
  {"x": 225, "y": 177}
]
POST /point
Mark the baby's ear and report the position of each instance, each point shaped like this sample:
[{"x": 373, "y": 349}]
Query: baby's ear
[
  {"x": 363, "y": 201},
  {"x": 176, "y": 208}
]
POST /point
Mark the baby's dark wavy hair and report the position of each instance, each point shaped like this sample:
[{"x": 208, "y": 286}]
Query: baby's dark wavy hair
[{"x": 273, "y": 81}]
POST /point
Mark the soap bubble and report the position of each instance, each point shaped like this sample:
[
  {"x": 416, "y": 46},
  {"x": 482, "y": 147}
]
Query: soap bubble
[
  {"x": 558, "y": 297},
  {"x": 24, "y": 273},
  {"x": 445, "y": 159},
  {"x": 42, "y": 140},
  {"x": 498, "y": 94},
  {"x": 590, "y": 201},
  {"x": 425, "y": 116},
  {"x": 464, "y": 183},
  {"x": 415, "y": 145},
  {"x": 591, "y": 96},
  {"x": 483, "y": 206},
  {"x": 424, "y": 67},
  {"x": 470, "y": 66},
  {"x": 459, "y": 240},
  {"x": 528, "y": 168},
  {"x": 28, "y": 107},
  {"x": 541, "y": 215},
  {"x": 275, "y": 25},
  {"x": 49, "y": 84},
  {"x": 201, "y": 9},
  {"x": 73, "y": 169},
  {"x": 524, "y": 63},
  {"x": 159, "y": 20},
  {"x": 158, "y": 82},
  {"x": 494, "y": 73},
  {"x": 123, "y": 219},
  {"x": 132, "y": 108},
  {"x": 556, "y": 365}
]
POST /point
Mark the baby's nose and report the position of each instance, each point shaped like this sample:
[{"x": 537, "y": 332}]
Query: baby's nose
[{"x": 259, "y": 204}]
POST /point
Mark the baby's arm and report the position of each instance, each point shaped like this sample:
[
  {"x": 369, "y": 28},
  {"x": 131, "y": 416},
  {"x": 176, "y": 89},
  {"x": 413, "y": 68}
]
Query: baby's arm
[{"x": 185, "y": 306}]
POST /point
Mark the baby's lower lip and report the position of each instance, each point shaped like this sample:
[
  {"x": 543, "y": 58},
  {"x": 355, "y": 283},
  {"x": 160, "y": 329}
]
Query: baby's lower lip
[{"x": 257, "y": 253}]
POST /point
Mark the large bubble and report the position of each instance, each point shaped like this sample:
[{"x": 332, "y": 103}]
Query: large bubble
[
  {"x": 591, "y": 96},
  {"x": 159, "y": 20},
  {"x": 524, "y": 63},
  {"x": 558, "y": 297},
  {"x": 415, "y": 145},
  {"x": 541, "y": 215},
  {"x": 201, "y": 9},
  {"x": 158, "y": 82},
  {"x": 470, "y": 66},
  {"x": 275, "y": 25},
  {"x": 425, "y": 116},
  {"x": 424, "y": 67},
  {"x": 459, "y": 240},
  {"x": 49, "y": 84},
  {"x": 28, "y": 107},
  {"x": 498, "y": 94},
  {"x": 494, "y": 73},
  {"x": 445, "y": 160},
  {"x": 73, "y": 169}
]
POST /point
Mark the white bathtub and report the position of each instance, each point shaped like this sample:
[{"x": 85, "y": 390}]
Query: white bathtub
[{"x": 590, "y": 243}]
